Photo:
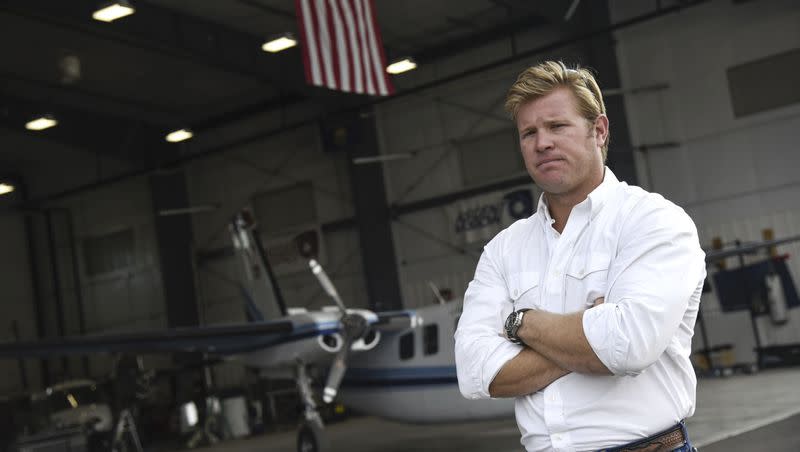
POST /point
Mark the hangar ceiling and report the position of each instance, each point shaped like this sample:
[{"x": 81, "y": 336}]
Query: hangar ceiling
[
  {"x": 195, "y": 63},
  {"x": 198, "y": 64}
]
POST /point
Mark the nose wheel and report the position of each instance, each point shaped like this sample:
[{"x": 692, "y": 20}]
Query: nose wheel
[
  {"x": 311, "y": 433},
  {"x": 310, "y": 437}
]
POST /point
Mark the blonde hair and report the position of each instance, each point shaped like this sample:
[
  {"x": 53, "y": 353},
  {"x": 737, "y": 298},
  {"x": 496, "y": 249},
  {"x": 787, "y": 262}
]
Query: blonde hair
[{"x": 542, "y": 79}]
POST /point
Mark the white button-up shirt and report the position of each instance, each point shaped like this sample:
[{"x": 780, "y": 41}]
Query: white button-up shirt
[{"x": 636, "y": 249}]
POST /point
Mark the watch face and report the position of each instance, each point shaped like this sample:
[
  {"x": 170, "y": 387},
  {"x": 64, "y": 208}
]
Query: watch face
[{"x": 509, "y": 326}]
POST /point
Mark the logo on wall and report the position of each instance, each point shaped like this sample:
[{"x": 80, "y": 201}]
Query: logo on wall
[{"x": 480, "y": 218}]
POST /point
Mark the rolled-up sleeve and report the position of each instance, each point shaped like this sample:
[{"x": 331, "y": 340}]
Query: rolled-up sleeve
[
  {"x": 480, "y": 349},
  {"x": 651, "y": 283}
]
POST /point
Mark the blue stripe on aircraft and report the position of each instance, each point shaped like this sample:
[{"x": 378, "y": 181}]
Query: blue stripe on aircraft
[{"x": 400, "y": 376}]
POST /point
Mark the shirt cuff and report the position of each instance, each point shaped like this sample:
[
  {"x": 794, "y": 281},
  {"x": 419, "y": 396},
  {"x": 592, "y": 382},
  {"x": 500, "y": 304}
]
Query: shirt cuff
[
  {"x": 600, "y": 326},
  {"x": 503, "y": 353}
]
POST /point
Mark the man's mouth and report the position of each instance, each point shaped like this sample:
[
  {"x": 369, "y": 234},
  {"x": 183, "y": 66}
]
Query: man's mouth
[{"x": 547, "y": 161}]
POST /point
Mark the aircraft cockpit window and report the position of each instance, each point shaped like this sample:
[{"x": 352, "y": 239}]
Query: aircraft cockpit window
[
  {"x": 430, "y": 339},
  {"x": 407, "y": 346}
]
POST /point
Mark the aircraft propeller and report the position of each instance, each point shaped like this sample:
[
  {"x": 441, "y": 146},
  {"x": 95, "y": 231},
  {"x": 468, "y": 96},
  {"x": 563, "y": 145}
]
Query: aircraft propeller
[{"x": 354, "y": 327}]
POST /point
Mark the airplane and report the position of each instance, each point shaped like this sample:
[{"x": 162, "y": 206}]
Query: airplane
[{"x": 399, "y": 365}]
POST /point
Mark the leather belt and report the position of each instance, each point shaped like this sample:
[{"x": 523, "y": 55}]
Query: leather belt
[{"x": 665, "y": 441}]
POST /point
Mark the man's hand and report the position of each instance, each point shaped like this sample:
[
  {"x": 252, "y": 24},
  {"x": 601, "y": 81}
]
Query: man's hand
[{"x": 599, "y": 301}]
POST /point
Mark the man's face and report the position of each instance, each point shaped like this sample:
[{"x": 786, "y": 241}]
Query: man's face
[{"x": 560, "y": 147}]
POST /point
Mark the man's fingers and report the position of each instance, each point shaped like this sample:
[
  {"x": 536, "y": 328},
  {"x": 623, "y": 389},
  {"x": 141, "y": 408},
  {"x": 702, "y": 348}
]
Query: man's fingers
[{"x": 599, "y": 301}]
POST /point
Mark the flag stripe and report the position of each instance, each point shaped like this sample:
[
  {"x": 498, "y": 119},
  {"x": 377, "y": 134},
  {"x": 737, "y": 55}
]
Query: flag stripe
[
  {"x": 342, "y": 69},
  {"x": 306, "y": 28},
  {"x": 352, "y": 47},
  {"x": 342, "y": 46},
  {"x": 336, "y": 82},
  {"x": 317, "y": 30}
]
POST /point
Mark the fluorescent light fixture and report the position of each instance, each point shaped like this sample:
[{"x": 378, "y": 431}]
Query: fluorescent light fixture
[
  {"x": 382, "y": 158},
  {"x": 188, "y": 210},
  {"x": 179, "y": 135},
  {"x": 41, "y": 123},
  {"x": 400, "y": 66},
  {"x": 113, "y": 11},
  {"x": 282, "y": 42},
  {"x": 6, "y": 188}
]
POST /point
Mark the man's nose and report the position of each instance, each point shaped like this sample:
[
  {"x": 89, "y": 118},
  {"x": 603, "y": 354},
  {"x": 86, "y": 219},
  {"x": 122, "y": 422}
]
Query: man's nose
[{"x": 544, "y": 142}]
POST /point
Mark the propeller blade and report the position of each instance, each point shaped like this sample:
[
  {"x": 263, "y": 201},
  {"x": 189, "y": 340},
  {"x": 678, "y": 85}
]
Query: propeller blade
[
  {"x": 326, "y": 283},
  {"x": 336, "y": 374},
  {"x": 354, "y": 327}
]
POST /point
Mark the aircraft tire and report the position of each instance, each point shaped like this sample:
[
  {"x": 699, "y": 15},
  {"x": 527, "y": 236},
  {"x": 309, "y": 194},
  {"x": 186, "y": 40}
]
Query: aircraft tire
[{"x": 311, "y": 437}]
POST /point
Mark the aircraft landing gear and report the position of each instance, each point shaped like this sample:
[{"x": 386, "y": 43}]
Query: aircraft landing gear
[
  {"x": 311, "y": 434},
  {"x": 311, "y": 437}
]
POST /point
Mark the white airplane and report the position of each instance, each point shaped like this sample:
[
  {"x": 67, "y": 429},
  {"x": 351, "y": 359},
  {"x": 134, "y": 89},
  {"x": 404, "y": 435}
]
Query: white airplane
[{"x": 398, "y": 365}]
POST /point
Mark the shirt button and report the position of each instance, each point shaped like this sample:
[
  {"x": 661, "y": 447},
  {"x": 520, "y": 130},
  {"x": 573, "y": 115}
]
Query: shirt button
[{"x": 557, "y": 437}]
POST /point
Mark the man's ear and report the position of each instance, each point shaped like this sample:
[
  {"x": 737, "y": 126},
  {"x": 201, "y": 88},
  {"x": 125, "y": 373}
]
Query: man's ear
[{"x": 601, "y": 129}]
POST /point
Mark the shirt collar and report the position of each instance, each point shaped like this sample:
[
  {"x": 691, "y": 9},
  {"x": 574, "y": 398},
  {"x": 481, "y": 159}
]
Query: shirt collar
[
  {"x": 595, "y": 200},
  {"x": 599, "y": 195}
]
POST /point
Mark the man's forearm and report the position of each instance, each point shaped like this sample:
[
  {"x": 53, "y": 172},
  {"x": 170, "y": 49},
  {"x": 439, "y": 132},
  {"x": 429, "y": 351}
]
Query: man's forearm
[
  {"x": 526, "y": 373},
  {"x": 560, "y": 338}
]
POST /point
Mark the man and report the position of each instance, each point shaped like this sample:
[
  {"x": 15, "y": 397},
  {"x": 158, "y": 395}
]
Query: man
[{"x": 585, "y": 311}]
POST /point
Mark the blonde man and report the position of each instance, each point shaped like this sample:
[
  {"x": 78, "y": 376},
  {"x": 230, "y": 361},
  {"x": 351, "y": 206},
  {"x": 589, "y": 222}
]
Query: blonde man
[{"x": 585, "y": 311}]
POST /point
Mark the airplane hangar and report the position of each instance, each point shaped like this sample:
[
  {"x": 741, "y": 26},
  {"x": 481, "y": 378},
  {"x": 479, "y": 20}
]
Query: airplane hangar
[{"x": 218, "y": 236}]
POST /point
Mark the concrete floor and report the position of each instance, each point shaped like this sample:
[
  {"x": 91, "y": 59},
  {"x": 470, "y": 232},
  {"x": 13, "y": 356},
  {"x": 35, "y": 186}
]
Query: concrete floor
[{"x": 739, "y": 413}]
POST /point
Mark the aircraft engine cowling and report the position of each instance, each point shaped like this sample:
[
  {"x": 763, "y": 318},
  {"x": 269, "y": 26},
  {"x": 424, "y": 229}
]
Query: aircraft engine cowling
[
  {"x": 331, "y": 343},
  {"x": 368, "y": 341}
]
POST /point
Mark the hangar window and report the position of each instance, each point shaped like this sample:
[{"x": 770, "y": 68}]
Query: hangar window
[
  {"x": 430, "y": 339},
  {"x": 286, "y": 208},
  {"x": 505, "y": 161},
  {"x": 749, "y": 93},
  {"x": 108, "y": 253},
  {"x": 407, "y": 346}
]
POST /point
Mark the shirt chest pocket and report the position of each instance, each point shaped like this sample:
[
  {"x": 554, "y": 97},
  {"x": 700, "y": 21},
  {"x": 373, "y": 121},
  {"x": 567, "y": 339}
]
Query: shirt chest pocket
[
  {"x": 523, "y": 289},
  {"x": 587, "y": 280}
]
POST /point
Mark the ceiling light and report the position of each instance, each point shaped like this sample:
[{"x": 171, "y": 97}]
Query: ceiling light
[
  {"x": 179, "y": 135},
  {"x": 383, "y": 158},
  {"x": 6, "y": 188},
  {"x": 41, "y": 123},
  {"x": 113, "y": 11},
  {"x": 188, "y": 210},
  {"x": 282, "y": 42},
  {"x": 400, "y": 66}
]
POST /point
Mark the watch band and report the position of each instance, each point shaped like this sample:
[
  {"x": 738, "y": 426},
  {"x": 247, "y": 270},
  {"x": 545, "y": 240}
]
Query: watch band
[{"x": 513, "y": 322}]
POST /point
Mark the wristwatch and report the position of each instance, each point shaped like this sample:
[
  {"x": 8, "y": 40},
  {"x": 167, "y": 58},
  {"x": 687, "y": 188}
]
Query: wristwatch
[{"x": 513, "y": 322}]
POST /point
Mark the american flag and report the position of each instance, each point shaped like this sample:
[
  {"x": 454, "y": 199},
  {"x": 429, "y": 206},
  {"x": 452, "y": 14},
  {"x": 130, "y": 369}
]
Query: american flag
[{"x": 342, "y": 47}]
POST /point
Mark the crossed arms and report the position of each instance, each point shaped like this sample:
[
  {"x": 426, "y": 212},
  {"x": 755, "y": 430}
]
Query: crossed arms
[{"x": 555, "y": 346}]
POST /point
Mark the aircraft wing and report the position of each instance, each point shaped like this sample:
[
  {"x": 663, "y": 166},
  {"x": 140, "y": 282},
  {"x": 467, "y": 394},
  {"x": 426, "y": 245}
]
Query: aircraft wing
[{"x": 219, "y": 339}]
